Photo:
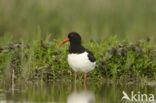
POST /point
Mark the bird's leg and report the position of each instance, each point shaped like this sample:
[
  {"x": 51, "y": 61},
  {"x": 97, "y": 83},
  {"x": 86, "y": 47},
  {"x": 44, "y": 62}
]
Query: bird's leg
[
  {"x": 75, "y": 76},
  {"x": 85, "y": 76},
  {"x": 75, "y": 87}
]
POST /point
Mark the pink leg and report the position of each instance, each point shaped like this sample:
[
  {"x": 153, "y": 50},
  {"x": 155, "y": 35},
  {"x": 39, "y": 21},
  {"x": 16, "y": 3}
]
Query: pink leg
[
  {"x": 75, "y": 76},
  {"x": 75, "y": 87},
  {"x": 85, "y": 77}
]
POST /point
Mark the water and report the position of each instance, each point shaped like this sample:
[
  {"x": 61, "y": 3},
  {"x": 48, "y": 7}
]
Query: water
[{"x": 64, "y": 92}]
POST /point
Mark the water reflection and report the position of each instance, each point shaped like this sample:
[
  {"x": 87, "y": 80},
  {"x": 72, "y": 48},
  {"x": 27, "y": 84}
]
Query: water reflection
[
  {"x": 81, "y": 97},
  {"x": 65, "y": 92}
]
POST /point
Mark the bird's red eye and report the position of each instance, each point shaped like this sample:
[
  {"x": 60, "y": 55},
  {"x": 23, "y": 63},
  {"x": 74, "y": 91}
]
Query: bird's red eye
[{"x": 71, "y": 35}]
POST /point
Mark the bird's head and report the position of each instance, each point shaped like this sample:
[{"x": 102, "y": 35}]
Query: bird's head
[{"x": 73, "y": 38}]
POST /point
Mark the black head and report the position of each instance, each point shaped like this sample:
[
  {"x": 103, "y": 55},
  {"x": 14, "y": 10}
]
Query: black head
[
  {"x": 75, "y": 43},
  {"x": 74, "y": 38}
]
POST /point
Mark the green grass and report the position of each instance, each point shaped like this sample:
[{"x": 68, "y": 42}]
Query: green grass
[
  {"x": 121, "y": 34},
  {"x": 43, "y": 60},
  {"x": 92, "y": 19}
]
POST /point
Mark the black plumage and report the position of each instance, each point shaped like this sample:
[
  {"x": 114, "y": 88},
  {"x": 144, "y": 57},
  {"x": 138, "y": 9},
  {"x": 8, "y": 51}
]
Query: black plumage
[{"x": 76, "y": 47}]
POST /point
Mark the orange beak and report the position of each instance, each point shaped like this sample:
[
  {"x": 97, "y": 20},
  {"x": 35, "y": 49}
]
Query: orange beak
[{"x": 63, "y": 42}]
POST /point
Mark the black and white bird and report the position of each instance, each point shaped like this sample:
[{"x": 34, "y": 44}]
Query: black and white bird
[{"x": 79, "y": 58}]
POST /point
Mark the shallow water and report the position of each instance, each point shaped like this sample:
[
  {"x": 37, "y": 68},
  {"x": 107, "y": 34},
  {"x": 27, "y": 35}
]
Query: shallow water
[{"x": 64, "y": 92}]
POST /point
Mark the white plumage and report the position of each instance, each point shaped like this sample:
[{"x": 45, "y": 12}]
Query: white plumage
[{"x": 80, "y": 62}]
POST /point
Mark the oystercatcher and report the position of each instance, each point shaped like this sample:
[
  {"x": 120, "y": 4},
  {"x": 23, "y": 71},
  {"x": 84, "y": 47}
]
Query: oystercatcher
[{"x": 79, "y": 58}]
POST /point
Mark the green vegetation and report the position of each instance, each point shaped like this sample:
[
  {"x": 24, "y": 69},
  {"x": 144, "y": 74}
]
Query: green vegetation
[
  {"x": 34, "y": 69},
  {"x": 43, "y": 60},
  {"x": 27, "y": 48},
  {"x": 30, "y": 31},
  {"x": 93, "y": 19}
]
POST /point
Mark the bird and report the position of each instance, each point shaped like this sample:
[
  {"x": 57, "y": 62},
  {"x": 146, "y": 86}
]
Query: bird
[{"x": 79, "y": 59}]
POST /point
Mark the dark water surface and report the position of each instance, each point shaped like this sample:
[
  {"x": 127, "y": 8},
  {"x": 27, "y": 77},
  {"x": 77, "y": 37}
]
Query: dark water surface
[{"x": 64, "y": 92}]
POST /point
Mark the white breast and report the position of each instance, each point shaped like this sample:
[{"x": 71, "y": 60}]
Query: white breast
[{"x": 80, "y": 62}]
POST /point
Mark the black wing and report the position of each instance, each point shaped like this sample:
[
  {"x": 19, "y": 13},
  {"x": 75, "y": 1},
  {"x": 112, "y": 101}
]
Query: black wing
[{"x": 91, "y": 56}]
